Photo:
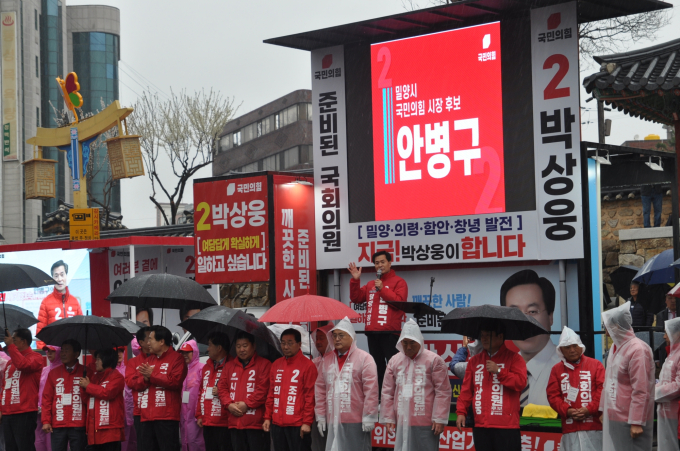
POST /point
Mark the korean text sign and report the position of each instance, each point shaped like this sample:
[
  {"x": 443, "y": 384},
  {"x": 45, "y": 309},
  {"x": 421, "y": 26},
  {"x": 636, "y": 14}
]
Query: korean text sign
[
  {"x": 295, "y": 240},
  {"x": 438, "y": 124},
  {"x": 231, "y": 232},
  {"x": 557, "y": 163}
]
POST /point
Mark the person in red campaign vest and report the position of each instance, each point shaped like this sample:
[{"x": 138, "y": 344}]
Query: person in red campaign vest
[
  {"x": 574, "y": 391},
  {"x": 105, "y": 403},
  {"x": 164, "y": 372},
  {"x": 243, "y": 388},
  {"x": 211, "y": 415},
  {"x": 19, "y": 409},
  {"x": 289, "y": 410},
  {"x": 134, "y": 379},
  {"x": 63, "y": 401},
  {"x": 383, "y": 323},
  {"x": 58, "y": 304},
  {"x": 494, "y": 370}
]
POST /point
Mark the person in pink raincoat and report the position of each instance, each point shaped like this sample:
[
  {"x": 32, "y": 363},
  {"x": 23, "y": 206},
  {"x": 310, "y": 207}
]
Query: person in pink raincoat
[
  {"x": 130, "y": 443},
  {"x": 320, "y": 347},
  {"x": 627, "y": 401},
  {"x": 416, "y": 393},
  {"x": 667, "y": 390},
  {"x": 346, "y": 392},
  {"x": 191, "y": 434},
  {"x": 43, "y": 439}
]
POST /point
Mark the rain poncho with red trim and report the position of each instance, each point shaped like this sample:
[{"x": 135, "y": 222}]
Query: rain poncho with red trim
[
  {"x": 667, "y": 392},
  {"x": 415, "y": 394},
  {"x": 42, "y": 439},
  {"x": 347, "y": 398},
  {"x": 628, "y": 394},
  {"x": 317, "y": 358},
  {"x": 574, "y": 386},
  {"x": 191, "y": 434},
  {"x": 130, "y": 443},
  {"x": 318, "y": 441}
]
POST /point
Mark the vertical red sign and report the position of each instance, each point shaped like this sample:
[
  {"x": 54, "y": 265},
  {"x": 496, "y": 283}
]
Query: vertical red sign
[
  {"x": 294, "y": 237},
  {"x": 231, "y": 231}
]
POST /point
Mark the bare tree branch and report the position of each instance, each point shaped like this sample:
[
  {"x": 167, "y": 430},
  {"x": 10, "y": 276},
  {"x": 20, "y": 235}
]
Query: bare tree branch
[{"x": 185, "y": 129}]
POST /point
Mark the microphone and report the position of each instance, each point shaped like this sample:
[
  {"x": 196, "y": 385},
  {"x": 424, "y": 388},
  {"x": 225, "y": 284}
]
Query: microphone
[{"x": 379, "y": 273}]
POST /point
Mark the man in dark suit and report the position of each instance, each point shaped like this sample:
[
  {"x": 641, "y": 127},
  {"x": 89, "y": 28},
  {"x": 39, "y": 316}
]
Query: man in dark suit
[{"x": 661, "y": 318}]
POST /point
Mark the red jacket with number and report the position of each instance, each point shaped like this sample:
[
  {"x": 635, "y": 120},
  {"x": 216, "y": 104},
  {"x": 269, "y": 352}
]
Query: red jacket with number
[
  {"x": 56, "y": 306},
  {"x": 106, "y": 407},
  {"x": 588, "y": 377},
  {"x": 380, "y": 317},
  {"x": 130, "y": 372},
  {"x": 291, "y": 391},
  {"x": 59, "y": 383},
  {"x": 163, "y": 400},
  {"x": 212, "y": 411},
  {"x": 494, "y": 397},
  {"x": 249, "y": 385},
  {"x": 22, "y": 375}
]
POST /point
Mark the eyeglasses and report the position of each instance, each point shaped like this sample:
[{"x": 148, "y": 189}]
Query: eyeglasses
[
  {"x": 339, "y": 337},
  {"x": 287, "y": 344}
]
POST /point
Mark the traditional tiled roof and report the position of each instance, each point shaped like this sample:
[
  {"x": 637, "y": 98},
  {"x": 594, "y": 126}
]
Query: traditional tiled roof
[
  {"x": 57, "y": 222},
  {"x": 642, "y": 83}
]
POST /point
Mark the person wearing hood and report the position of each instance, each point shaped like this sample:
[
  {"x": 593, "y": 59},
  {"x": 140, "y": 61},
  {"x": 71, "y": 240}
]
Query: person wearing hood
[
  {"x": 190, "y": 433},
  {"x": 63, "y": 401},
  {"x": 346, "y": 392},
  {"x": 106, "y": 406},
  {"x": 416, "y": 393},
  {"x": 130, "y": 443},
  {"x": 320, "y": 339},
  {"x": 43, "y": 438},
  {"x": 627, "y": 402},
  {"x": 138, "y": 389},
  {"x": 243, "y": 390},
  {"x": 667, "y": 391},
  {"x": 574, "y": 391},
  {"x": 494, "y": 380}
]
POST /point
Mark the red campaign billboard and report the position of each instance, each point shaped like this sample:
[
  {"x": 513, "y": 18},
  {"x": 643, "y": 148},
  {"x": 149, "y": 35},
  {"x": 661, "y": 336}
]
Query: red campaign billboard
[
  {"x": 231, "y": 231},
  {"x": 294, "y": 237},
  {"x": 452, "y": 439},
  {"x": 438, "y": 124}
]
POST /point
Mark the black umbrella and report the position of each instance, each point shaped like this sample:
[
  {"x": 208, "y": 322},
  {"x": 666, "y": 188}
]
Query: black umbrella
[
  {"x": 621, "y": 278},
  {"x": 162, "y": 291},
  {"x": 230, "y": 321},
  {"x": 132, "y": 327},
  {"x": 16, "y": 317},
  {"x": 467, "y": 321},
  {"x": 15, "y": 277},
  {"x": 92, "y": 332}
]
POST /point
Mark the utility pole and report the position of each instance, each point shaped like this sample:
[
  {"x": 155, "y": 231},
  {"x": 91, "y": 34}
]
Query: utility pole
[{"x": 600, "y": 121}]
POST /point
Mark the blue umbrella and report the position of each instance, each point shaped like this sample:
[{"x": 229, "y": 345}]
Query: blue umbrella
[{"x": 657, "y": 270}]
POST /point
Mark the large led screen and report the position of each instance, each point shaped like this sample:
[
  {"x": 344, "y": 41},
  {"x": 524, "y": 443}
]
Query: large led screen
[{"x": 438, "y": 124}]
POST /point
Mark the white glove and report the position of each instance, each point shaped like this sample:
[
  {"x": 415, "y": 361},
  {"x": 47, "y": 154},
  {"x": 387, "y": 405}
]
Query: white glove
[
  {"x": 367, "y": 427},
  {"x": 322, "y": 427}
]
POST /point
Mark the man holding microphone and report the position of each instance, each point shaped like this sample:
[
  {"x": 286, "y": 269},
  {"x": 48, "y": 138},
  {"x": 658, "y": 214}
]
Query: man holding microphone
[{"x": 383, "y": 323}]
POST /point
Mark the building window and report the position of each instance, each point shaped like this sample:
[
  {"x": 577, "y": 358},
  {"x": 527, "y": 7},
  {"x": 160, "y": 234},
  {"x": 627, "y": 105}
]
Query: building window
[
  {"x": 37, "y": 117},
  {"x": 309, "y": 112},
  {"x": 291, "y": 157},
  {"x": 271, "y": 163},
  {"x": 277, "y": 123},
  {"x": 237, "y": 138},
  {"x": 35, "y": 17},
  {"x": 225, "y": 142},
  {"x": 259, "y": 129},
  {"x": 37, "y": 67}
]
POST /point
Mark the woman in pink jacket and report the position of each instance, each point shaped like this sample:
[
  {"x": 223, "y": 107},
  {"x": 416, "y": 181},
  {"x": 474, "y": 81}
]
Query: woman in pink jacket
[
  {"x": 130, "y": 443},
  {"x": 191, "y": 434},
  {"x": 42, "y": 439},
  {"x": 416, "y": 393}
]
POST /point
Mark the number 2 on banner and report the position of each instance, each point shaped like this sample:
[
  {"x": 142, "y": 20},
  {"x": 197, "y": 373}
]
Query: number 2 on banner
[
  {"x": 384, "y": 54},
  {"x": 552, "y": 91},
  {"x": 205, "y": 208}
]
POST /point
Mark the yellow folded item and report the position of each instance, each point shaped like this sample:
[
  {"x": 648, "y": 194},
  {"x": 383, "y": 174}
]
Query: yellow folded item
[{"x": 536, "y": 411}]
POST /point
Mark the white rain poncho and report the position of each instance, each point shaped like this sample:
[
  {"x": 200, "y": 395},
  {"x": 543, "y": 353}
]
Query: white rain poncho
[
  {"x": 667, "y": 392},
  {"x": 628, "y": 394},
  {"x": 347, "y": 399},
  {"x": 586, "y": 440},
  {"x": 318, "y": 442},
  {"x": 415, "y": 393}
]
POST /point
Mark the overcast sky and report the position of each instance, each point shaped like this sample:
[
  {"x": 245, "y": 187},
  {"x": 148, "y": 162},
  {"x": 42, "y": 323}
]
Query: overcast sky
[{"x": 218, "y": 44}]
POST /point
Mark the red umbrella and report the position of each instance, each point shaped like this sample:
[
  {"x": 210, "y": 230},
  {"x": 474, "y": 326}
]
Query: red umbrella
[{"x": 308, "y": 308}]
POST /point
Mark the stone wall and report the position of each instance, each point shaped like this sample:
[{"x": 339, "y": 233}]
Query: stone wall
[
  {"x": 627, "y": 214},
  {"x": 238, "y": 295}
]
